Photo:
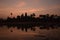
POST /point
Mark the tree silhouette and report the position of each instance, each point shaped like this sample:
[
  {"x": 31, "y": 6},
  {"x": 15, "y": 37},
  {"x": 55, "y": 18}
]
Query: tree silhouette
[
  {"x": 26, "y": 22},
  {"x": 33, "y": 15},
  {"x": 11, "y": 14}
]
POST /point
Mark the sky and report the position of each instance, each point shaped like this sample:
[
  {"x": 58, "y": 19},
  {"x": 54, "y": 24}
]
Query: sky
[{"x": 17, "y": 7}]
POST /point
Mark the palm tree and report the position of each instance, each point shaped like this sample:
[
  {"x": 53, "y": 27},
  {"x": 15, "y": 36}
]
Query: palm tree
[
  {"x": 11, "y": 14},
  {"x": 33, "y": 15}
]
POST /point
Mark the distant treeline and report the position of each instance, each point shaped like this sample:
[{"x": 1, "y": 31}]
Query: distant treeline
[
  {"x": 31, "y": 18},
  {"x": 29, "y": 22}
]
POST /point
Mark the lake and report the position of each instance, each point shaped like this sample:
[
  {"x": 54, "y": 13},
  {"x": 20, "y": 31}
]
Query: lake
[{"x": 37, "y": 34}]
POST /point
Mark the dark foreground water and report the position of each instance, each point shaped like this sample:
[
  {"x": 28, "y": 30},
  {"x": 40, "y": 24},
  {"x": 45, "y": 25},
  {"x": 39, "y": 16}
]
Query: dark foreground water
[{"x": 38, "y": 34}]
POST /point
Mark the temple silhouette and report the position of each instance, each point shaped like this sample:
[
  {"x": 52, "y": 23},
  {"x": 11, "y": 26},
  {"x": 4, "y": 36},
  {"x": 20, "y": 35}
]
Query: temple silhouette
[{"x": 25, "y": 22}]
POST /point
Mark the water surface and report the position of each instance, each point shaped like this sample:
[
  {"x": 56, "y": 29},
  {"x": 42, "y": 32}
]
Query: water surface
[{"x": 38, "y": 34}]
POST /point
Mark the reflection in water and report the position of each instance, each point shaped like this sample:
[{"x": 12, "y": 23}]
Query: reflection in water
[
  {"x": 31, "y": 26},
  {"x": 26, "y": 27},
  {"x": 29, "y": 33}
]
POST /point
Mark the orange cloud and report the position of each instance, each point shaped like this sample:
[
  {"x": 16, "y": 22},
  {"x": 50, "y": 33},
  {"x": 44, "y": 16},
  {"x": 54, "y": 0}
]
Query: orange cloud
[
  {"x": 21, "y": 4},
  {"x": 30, "y": 9}
]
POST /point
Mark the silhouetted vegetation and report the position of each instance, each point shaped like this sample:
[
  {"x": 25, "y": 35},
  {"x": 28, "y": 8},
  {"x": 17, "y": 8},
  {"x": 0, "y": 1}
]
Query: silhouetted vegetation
[{"x": 26, "y": 22}]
